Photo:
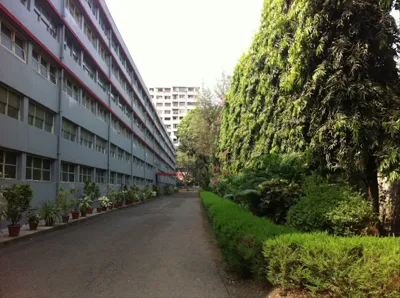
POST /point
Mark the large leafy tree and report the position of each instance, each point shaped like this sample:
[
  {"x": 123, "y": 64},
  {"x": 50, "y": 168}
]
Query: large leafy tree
[
  {"x": 320, "y": 74},
  {"x": 199, "y": 129}
]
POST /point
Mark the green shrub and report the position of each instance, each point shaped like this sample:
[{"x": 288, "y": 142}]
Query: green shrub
[
  {"x": 331, "y": 206},
  {"x": 335, "y": 266},
  {"x": 274, "y": 198},
  {"x": 240, "y": 234}
]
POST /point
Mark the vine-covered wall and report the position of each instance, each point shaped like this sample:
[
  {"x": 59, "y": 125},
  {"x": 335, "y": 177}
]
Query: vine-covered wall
[{"x": 319, "y": 74}]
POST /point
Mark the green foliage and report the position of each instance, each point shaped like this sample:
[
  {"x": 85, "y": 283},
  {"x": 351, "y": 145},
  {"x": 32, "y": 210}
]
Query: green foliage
[
  {"x": 91, "y": 190},
  {"x": 133, "y": 193},
  {"x": 85, "y": 204},
  {"x": 274, "y": 199},
  {"x": 147, "y": 193},
  {"x": 120, "y": 196},
  {"x": 3, "y": 207},
  {"x": 240, "y": 234},
  {"x": 18, "y": 199},
  {"x": 49, "y": 212},
  {"x": 270, "y": 187},
  {"x": 331, "y": 205},
  {"x": 105, "y": 202},
  {"x": 111, "y": 194},
  {"x": 323, "y": 265},
  {"x": 65, "y": 204},
  {"x": 334, "y": 266},
  {"x": 319, "y": 75}
]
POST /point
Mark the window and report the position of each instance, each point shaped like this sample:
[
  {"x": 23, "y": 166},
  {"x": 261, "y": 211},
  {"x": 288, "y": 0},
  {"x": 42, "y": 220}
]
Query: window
[
  {"x": 100, "y": 176},
  {"x": 43, "y": 66},
  {"x": 168, "y": 112},
  {"x": 103, "y": 114},
  {"x": 9, "y": 103},
  {"x": 103, "y": 53},
  {"x": 37, "y": 169},
  {"x": 88, "y": 69},
  {"x": 90, "y": 34},
  {"x": 74, "y": 11},
  {"x": 24, "y": 3},
  {"x": 127, "y": 179},
  {"x": 159, "y": 104},
  {"x": 113, "y": 150},
  {"x": 168, "y": 104},
  {"x": 8, "y": 165},
  {"x": 128, "y": 157},
  {"x": 71, "y": 89},
  {"x": 112, "y": 177},
  {"x": 119, "y": 178},
  {"x": 103, "y": 24},
  {"x": 89, "y": 103},
  {"x": 67, "y": 172},
  {"x": 40, "y": 117},
  {"x": 45, "y": 19},
  {"x": 101, "y": 83},
  {"x": 87, "y": 138},
  {"x": 92, "y": 7},
  {"x": 85, "y": 174},
  {"x": 120, "y": 154},
  {"x": 69, "y": 130},
  {"x": 71, "y": 49},
  {"x": 12, "y": 41},
  {"x": 101, "y": 145}
]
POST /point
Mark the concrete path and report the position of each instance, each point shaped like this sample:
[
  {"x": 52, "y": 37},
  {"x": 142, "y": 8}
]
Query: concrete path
[{"x": 159, "y": 249}]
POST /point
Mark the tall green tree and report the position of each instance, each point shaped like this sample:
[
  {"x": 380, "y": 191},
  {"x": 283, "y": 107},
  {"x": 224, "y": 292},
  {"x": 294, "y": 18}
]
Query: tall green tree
[
  {"x": 199, "y": 129},
  {"x": 320, "y": 74}
]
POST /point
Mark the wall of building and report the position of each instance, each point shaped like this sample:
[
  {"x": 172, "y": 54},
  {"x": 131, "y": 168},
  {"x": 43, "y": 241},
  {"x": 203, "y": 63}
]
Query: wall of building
[{"x": 138, "y": 134}]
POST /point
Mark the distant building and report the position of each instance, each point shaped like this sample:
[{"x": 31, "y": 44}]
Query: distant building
[{"x": 172, "y": 104}]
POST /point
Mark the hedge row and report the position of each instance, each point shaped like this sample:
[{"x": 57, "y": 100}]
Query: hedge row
[{"x": 316, "y": 262}]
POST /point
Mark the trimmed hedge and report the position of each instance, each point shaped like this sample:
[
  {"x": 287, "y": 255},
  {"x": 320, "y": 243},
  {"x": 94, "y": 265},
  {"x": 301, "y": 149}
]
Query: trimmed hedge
[
  {"x": 240, "y": 234},
  {"x": 317, "y": 262}
]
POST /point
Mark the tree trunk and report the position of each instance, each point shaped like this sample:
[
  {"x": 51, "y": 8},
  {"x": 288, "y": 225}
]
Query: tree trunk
[{"x": 373, "y": 188}]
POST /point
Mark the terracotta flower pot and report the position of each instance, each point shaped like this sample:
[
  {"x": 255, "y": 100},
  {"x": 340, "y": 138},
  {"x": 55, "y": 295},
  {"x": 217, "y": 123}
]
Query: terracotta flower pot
[
  {"x": 83, "y": 213},
  {"x": 13, "y": 230},
  {"x": 65, "y": 218},
  {"x": 90, "y": 211},
  {"x": 75, "y": 214},
  {"x": 110, "y": 207},
  {"x": 99, "y": 209},
  {"x": 115, "y": 205},
  {"x": 104, "y": 208},
  {"x": 49, "y": 223},
  {"x": 33, "y": 225}
]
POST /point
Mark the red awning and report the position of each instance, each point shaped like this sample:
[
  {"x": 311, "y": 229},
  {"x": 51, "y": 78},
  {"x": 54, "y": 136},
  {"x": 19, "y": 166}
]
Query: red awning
[{"x": 169, "y": 174}]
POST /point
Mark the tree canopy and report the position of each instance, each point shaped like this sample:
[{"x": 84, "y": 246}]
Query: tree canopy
[{"x": 320, "y": 74}]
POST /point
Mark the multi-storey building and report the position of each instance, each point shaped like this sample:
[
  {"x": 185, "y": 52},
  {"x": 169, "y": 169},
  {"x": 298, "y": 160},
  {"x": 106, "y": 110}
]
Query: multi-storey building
[
  {"x": 172, "y": 104},
  {"x": 73, "y": 106}
]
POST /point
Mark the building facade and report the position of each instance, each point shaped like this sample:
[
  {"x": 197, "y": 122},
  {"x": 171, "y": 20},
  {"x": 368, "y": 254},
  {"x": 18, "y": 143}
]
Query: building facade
[
  {"x": 73, "y": 106},
  {"x": 172, "y": 104}
]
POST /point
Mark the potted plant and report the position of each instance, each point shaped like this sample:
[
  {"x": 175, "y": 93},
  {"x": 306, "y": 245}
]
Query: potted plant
[
  {"x": 75, "y": 208},
  {"x": 92, "y": 191},
  {"x": 18, "y": 199},
  {"x": 33, "y": 220},
  {"x": 104, "y": 203},
  {"x": 64, "y": 204},
  {"x": 112, "y": 197},
  {"x": 49, "y": 212},
  {"x": 84, "y": 205}
]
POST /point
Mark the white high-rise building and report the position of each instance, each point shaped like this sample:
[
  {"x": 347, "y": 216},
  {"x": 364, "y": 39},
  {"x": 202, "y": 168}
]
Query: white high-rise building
[{"x": 172, "y": 104}]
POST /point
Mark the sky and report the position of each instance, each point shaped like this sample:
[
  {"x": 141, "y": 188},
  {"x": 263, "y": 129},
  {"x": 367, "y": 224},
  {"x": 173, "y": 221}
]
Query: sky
[{"x": 186, "y": 42}]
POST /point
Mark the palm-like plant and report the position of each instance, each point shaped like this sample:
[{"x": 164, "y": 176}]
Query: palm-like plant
[{"x": 49, "y": 212}]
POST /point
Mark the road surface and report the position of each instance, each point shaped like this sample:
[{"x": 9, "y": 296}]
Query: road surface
[{"x": 159, "y": 249}]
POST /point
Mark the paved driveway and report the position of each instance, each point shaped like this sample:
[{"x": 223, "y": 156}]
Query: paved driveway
[{"x": 159, "y": 249}]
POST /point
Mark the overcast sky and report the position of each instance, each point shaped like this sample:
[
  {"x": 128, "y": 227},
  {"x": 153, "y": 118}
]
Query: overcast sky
[{"x": 186, "y": 42}]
